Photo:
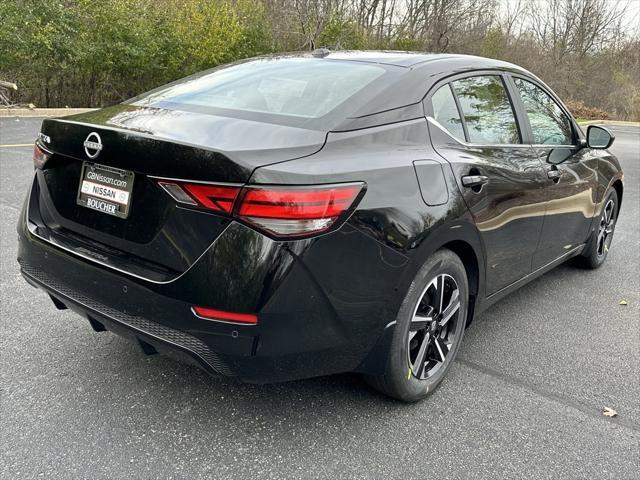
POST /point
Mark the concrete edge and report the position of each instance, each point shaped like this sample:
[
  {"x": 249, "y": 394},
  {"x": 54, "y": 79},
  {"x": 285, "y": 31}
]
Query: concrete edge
[
  {"x": 42, "y": 112},
  {"x": 609, "y": 122}
]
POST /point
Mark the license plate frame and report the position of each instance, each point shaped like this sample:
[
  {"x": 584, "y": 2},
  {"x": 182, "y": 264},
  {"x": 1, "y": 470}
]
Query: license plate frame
[{"x": 105, "y": 189}]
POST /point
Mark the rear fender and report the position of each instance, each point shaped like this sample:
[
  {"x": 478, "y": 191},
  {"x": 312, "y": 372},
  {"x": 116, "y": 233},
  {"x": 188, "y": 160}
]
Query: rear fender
[{"x": 455, "y": 235}]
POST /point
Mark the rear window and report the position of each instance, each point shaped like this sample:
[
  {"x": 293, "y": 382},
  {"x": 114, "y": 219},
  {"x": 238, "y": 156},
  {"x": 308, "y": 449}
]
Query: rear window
[{"x": 298, "y": 87}]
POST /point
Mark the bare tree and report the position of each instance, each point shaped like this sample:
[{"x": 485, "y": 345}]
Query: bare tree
[{"x": 575, "y": 27}]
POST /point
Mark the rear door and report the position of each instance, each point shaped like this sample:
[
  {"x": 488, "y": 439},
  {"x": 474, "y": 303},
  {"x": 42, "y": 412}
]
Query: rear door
[
  {"x": 474, "y": 126},
  {"x": 572, "y": 172}
]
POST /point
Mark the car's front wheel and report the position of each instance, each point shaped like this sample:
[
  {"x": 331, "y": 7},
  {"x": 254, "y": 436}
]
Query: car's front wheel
[
  {"x": 429, "y": 329},
  {"x": 596, "y": 251}
]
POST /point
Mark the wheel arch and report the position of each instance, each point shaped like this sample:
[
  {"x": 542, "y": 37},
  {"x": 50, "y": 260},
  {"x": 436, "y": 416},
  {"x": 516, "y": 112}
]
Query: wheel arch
[
  {"x": 469, "y": 259},
  {"x": 463, "y": 239},
  {"x": 617, "y": 186}
]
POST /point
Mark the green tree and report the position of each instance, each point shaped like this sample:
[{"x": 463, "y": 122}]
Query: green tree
[{"x": 342, "y": 33}]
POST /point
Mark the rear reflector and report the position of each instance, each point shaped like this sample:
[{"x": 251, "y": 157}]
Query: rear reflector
[
  {"x": 211, "y": 314},
  {"x": 280, "y": 211},
  {"x": 40, "y": 156}
]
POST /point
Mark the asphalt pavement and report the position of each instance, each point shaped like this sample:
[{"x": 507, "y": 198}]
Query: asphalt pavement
[{"x": 524, "y": 399}]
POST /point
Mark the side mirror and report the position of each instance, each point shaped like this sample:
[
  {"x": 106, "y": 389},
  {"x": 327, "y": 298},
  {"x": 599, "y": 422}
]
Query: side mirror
[{"x": 599, "y": 137}]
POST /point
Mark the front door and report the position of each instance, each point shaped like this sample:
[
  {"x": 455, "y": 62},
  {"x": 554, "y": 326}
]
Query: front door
[
  {"x": 502, "y": 179},
  {"x": 572, "y": 172}
]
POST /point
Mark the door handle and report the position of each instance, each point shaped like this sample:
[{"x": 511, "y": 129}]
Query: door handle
[
  {"x": 474, "y": 180},
  {"x": 554, "y": 174}
]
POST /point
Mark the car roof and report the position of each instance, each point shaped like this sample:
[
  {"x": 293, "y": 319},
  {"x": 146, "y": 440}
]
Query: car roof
[
  {"x": 411, "y": 60},
  {"x": 387, "y": 57}
]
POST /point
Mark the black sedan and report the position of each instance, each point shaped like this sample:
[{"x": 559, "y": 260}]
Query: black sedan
[{"x": 301, "y": 215}]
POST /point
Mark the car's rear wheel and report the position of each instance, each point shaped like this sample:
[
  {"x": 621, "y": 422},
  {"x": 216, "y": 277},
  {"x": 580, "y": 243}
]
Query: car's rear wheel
[
  {"x": 596, "y": 251},
  {"x": 429, "y": 329}
]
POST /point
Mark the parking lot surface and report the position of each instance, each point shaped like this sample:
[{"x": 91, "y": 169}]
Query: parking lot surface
[{"x": 524, "y": 399}]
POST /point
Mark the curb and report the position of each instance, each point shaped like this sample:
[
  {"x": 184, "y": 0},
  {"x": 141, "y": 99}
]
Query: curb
[
  {"x": 42, "y": 112},
  {"x": 610, "y": 122}
]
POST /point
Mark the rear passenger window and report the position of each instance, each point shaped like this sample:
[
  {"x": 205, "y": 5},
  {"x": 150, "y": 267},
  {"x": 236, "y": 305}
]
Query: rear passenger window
[
  {"x": 487, "y": 110},
  {"x": 445, "y": 112}
]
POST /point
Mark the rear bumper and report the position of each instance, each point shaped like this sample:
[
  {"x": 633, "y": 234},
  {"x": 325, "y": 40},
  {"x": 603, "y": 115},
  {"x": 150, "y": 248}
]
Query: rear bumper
[
  {"x": 322, "y": 303},
  {"x": 134, "y": 327}
]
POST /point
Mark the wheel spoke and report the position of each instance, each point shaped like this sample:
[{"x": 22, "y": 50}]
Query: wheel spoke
[
  {"x": 610, "y": 225},
  {"x": 440, "y": 292},
  {"x": 452, "y": 308},
  {"x": 420, "y": 322},
  {"x": 608, "y": 211},
  {"x": 441, "y": 348},
  {"x": 600, "y": 242},
  {"x": 430, "y": 365},
  {"x": 418, "y": 365}
]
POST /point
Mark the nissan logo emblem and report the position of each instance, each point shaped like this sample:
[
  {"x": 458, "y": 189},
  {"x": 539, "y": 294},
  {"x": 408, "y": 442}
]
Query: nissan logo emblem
[{"x": 92, "y": 145}]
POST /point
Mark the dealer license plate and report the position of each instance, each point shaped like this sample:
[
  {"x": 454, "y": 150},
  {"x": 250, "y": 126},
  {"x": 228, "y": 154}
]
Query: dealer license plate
[{"x": 105, "y": 189}]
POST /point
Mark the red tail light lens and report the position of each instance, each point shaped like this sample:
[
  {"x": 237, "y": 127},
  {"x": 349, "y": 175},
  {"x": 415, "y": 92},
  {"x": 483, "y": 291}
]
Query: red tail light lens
[
  {"x": 294, "y": 211},
  {"x": 297, "y": 203},
  {"x": 40, "y": 156},
  {"x": 218, "y": 198},
  {"x": 214, "y": 197},
  {"x": 222, "y": 316},
  {"x": 280, "y": 211}
]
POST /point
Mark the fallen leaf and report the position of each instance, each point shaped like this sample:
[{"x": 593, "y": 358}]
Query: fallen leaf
[
  {"x": 609, "y": 412},
  {"x": 623, "y": 302}
]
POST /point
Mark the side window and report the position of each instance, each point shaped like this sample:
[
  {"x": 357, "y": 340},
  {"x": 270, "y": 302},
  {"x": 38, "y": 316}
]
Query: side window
[
  {"x": 445, "y": 112},
  {"x": 487, "y": 110},
  {"x": 549, "y": 123}
]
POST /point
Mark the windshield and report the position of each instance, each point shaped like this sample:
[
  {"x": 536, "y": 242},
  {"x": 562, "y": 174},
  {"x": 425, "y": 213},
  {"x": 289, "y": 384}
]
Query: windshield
[{"x": 298, "y": 87}]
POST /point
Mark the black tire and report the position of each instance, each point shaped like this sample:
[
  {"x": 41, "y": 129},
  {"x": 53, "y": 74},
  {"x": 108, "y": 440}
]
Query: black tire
[
  {"x": 597, "y": 249},
  {"x": 400, "y": 380}
]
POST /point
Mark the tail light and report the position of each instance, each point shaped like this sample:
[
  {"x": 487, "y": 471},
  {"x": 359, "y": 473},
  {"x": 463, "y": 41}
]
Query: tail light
[
  {"x": 295, "y": 211},
  {"x": 40, "y": 156},
  {"x": 218, "y": 198},
  {"x": 280, "y": 211}
]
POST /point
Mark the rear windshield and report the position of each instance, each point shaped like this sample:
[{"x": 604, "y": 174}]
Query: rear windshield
[{"x": 297, "y": 87}]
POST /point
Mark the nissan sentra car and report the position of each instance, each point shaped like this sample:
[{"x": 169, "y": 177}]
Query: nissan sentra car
[{"x": 309, "y": 214}]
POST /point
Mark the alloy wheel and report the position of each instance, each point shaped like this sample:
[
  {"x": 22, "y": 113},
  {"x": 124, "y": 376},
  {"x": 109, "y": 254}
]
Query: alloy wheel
[
  {"x": 605, "y": 230},
  {"x": 432, "y": 332}
]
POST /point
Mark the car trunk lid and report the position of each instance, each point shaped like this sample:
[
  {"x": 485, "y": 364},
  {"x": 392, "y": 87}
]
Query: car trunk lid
[
  {"x": 160, "y": 142},
  {"x": 152, "y": 143}
]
